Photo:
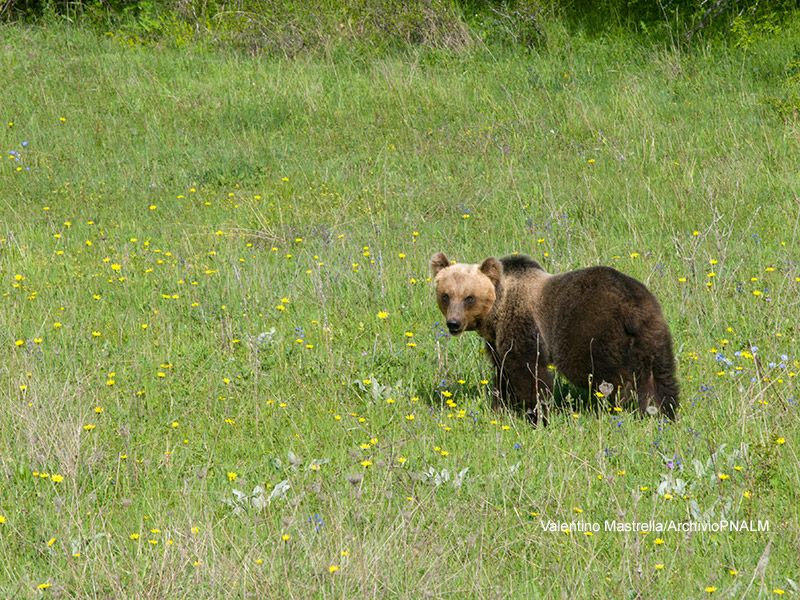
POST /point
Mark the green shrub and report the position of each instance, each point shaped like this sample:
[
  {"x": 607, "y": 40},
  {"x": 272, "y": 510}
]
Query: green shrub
[{"x": 289, "y": 27}]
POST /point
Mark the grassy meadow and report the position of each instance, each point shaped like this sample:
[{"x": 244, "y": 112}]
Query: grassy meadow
[{"x": 223, "y": 371}]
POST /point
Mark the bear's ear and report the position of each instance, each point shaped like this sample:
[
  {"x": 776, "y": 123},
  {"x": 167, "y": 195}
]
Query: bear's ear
[
  {"x": 493, "y": 269},
  {"x": 438, "y": 262}
]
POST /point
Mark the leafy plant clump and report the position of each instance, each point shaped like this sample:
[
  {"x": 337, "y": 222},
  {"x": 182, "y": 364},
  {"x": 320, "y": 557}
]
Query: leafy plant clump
[{"x": 292, "y": 27}]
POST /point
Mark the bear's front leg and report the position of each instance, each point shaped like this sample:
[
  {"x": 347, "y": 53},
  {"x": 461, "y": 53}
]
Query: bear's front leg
[
  {"x": 523, "y": 386},
  {"x": 501, "y": 394},
  {"x": 531, "y": 384}
]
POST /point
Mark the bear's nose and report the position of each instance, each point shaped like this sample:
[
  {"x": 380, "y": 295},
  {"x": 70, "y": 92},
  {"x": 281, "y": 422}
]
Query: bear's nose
[{"x": 453, "y": 325}]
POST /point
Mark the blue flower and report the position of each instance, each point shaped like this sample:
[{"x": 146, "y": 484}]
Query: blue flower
[{"x": 317, "y": 521}]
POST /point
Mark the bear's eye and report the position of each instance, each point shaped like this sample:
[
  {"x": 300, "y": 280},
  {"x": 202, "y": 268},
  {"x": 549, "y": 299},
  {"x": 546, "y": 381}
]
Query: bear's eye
[
  {"x": 469, "y": 300},
  {"x": 445, "y": 298}
]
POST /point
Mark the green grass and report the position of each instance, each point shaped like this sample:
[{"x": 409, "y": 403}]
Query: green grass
[{"x": 194, "y": 251}]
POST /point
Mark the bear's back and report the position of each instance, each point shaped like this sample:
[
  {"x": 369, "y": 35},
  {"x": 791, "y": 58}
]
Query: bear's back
[
  {"x": 602, "y": 308},
  {"x": 606, "y": 286}
]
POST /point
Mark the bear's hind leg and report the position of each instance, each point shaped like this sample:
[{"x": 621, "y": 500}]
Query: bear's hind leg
[
  {"x": 636, "y": 390},
  {"x": 657, "y": 396},
  {"x": 665, "y": 387},
  {"x": 646, "y": 393},
  {"x": 666, "y": 394}
]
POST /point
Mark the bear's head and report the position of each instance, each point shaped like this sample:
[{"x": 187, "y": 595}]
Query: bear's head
[{"x": 465, "y": 293}]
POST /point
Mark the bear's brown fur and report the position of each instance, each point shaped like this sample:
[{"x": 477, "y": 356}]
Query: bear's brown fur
[{"x": 594, "y": 325}]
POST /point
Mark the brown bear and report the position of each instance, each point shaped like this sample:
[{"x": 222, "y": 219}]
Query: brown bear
[{"x": 597, "y": 326}]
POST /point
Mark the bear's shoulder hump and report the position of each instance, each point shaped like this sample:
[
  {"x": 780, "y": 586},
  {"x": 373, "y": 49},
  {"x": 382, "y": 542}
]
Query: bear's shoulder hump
[{"x": 517, "y": 264}]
